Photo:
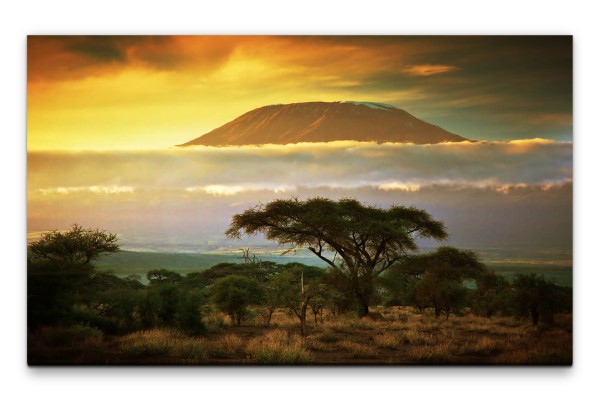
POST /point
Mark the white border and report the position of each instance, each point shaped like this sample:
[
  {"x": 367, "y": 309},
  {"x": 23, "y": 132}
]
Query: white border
[{"x": 307, "y": 17}]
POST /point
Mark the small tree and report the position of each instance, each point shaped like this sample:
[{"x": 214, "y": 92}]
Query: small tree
[
  {"x": 233, "y": 294},
  {"x": 170, "y": 296},
  {"x": 539, "y": 299},
  {"x": 297, "y": 293},
  {"x": 492, "y": 295},
  {"x": 189, "y": 318},
  {"x": 436, "y": 279},
  {"x": 440, "y": 293},
  {"x": 275, "y": 293},
  {"x": 318, "y": 302},
  {"x": 77, "y": 247},
  {"x": 60, "y": 271},
  {"x": 163, "y": 276}
]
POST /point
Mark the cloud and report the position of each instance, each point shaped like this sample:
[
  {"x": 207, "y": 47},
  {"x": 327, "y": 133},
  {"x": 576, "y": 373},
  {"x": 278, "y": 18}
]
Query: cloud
[
  {"x": 399, "y": 186},
  {"x": 59, "y": 58},
  {"x": 230, "y": 190},
  {"x": 91, "y": 189},
  {"x": 426, "y": 70},
  {"x": 281, "y": 168},
  {"x": 506, "y": 195}
]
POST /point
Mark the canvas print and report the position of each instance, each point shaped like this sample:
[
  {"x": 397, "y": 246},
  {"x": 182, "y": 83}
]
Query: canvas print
[{"x": 299, "y": 200}]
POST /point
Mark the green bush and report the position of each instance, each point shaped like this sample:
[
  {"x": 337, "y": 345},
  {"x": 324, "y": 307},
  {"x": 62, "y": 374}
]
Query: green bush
[
  {"x": 233, "y": 295},
  {"x": 189, "y": 318}
]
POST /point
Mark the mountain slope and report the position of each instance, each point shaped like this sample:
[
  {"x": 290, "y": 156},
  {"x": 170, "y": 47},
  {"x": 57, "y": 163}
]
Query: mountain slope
[{"x": 325, "y": 122}]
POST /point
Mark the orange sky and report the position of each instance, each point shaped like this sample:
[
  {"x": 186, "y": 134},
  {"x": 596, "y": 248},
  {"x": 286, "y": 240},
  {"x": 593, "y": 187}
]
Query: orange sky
[{"x": 154, "y": 92}]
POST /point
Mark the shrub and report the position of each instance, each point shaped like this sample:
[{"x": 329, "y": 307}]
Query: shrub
[
  {"x": 233, "y": 295},
  {"x": 539, "y": 299},
  {"x": 188, "y": 317}
]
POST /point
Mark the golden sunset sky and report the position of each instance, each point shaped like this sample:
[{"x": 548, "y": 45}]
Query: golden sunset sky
[
  {"x": 153, "y": 92},
  {"x": 104, "y": 114}
]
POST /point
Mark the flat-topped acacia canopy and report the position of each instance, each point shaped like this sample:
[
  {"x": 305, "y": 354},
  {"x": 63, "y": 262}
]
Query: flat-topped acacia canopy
[{"x": 367, "y": 239}]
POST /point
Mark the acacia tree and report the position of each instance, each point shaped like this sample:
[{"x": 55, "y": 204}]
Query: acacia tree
[
  {"x": 163, "y": 276},
  {"x": 77, "y": 247},
  {"x": 359, "y": 241},
  {"x": 59, "y": 268}
]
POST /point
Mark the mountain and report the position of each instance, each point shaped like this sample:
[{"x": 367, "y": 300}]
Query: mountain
[{"x": 325, "y": 122}]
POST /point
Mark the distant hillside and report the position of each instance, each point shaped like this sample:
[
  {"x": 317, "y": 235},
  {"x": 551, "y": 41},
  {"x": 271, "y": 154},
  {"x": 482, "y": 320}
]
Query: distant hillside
[
  {"x": 325, "y": 122},
  {"x": 125, "y": 263}
]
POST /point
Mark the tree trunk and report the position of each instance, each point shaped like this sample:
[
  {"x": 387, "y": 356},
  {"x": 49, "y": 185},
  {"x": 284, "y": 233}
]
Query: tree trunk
[
  {"x": 268, "y": 316},
  {"x": 535, "y": 316},
  {"x": 303, "y": 319},
  {"x": 363, "y": 293},
  {"x": 302, "y": 316},
  {"x": 363, "y": 308}
]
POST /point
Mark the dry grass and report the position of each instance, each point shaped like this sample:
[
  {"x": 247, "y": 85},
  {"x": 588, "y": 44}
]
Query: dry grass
[
  {"x": 388, "y": 340},
  {"x": 327, "y": 337},
  {"x": 358, "y": 349},
  {"x": 215, "y": 320},
  {"x": 164, "y": 343},
  {"x": 403, "y": 338},
  {"x": 418, "y": 337},
  {"x": 278, "y": 347},
  {"x": 439, "y": 353},
  {"x": 229, "y": 345}
]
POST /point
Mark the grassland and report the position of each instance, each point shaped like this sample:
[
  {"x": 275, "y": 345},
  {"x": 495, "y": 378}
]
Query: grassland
[{"x": 403, "y": 337}]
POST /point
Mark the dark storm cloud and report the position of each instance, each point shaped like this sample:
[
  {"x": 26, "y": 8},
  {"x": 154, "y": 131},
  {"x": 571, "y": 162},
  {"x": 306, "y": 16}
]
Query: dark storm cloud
[
  {"x": 57, "y": 58},
  {"x": 100, "y": 48}
]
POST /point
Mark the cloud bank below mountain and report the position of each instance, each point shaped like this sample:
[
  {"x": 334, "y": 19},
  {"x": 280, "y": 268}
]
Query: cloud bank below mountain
[
  {"x": 282, "y": 168},
  {"x": 516, "y": 193}
]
